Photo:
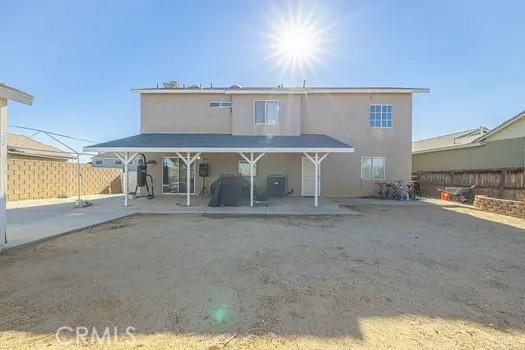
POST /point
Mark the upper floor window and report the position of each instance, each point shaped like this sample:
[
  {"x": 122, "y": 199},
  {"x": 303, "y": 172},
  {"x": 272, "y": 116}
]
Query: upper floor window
[
  {"x": 98, "y": 162},
  {"x": 221, "y": 104},
  {"x": 267, "y": 112},
  {"x": 381, "y": 116},
  {"x": 118, "y": 162}
]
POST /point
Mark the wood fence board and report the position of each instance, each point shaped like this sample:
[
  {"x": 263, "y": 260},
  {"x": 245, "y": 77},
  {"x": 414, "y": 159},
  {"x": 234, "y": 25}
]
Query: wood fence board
[{"x": 506, "y": 183}]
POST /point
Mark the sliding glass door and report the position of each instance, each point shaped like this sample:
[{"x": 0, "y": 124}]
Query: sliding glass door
[{"x": 174, "y": 176}]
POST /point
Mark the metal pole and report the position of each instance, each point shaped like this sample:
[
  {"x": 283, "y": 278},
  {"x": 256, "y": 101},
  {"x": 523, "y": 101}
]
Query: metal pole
[
  {"x": 126, "y": 157},
  {"x": 78, "y": 160},
  {"x": 78, "y": 177},
  {"x": 3, "y": 172},
  {"x": 251, "y": 179},
  {"x": 316, "y": 175},
  {"x": 188, "y": 175}
]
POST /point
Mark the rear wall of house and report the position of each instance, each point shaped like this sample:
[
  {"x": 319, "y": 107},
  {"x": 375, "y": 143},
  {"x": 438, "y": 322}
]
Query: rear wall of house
[
  {"x": 342, "y": 116},
  {"x": 346, "y": 118},
  {"x": 184, "y": 113},
  {"x": 228, "y": 164}
]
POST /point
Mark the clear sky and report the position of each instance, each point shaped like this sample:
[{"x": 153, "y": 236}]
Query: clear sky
[{"x": 81, "y": 58}]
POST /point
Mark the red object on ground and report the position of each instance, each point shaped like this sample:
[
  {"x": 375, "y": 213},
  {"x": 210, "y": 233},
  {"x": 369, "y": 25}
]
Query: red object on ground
[{"x": 445, "y": 196}]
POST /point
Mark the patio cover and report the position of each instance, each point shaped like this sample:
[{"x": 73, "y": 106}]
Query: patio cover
[
  {"x": 221, "y": 143},
  {"x": 246, "y": 145}
]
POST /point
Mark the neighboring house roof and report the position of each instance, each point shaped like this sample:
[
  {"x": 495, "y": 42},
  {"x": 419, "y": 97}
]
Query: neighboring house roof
[
  {"x": 279, "y": 90},
  {"x": 449, "y": 140},
  {"x": 223, "y": 143},
  {"x": 20, "y": 144},
  {"x": 503, "y": 125},
  {"x": 462, "y": 139}
]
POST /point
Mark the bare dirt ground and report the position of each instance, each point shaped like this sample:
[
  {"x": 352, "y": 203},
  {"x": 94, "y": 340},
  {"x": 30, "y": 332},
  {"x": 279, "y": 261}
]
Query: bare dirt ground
[{"x": 393, "y": 277}]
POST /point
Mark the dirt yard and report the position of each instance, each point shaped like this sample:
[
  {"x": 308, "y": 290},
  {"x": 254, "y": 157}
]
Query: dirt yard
[{"x": 393, "y": 277}]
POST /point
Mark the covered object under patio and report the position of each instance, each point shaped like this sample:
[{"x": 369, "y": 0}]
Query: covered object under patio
[{"x": 228, "y": 154}]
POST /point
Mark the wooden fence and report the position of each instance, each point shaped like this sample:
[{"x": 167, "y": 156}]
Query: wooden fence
[{"x": 506, "y": 183}]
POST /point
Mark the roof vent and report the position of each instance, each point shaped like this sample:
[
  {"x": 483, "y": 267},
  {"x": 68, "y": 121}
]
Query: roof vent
[
  {"x": 235, "y": 86},
  {"x": 171, "y": 84}
]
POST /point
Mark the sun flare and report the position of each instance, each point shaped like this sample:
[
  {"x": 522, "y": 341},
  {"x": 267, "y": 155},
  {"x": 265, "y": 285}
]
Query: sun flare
[{"x": 296, "y": 43}]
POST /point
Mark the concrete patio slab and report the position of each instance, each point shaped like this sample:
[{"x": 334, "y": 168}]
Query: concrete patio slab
[
  {"x": 33, "y": 224},
  {"x": 284, "y": 206}
]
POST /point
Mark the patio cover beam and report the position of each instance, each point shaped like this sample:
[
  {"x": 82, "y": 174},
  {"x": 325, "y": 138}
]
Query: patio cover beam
[
  {"x": 188, "y": 160},
  {"x": 251, "y": 162},
  {"x": 317, "y": 174},
  {"x": 126, "y": 159}
]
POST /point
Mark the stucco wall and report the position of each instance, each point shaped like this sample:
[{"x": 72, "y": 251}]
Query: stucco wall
[
  {"x": 224, "y": 164},
  {"x": 184, "y": 113},
  {"x": 494, "y": 154},
  {"x": 342, "y": 116},
  {"x": 243, "y": 115},
  {"x": 346, "y": 118}
]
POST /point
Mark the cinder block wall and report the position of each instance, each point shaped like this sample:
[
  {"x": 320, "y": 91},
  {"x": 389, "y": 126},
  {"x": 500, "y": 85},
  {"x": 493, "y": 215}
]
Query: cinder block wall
[
  {"x": 500, "y": 206},
  {"x": 41, "y": 179}
]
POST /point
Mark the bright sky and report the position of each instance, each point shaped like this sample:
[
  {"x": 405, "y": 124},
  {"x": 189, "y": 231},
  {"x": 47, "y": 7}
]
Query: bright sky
[{"x": 81, "y": 58}]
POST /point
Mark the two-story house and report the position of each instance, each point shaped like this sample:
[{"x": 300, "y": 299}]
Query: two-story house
[{"x": 340, "y": 141}]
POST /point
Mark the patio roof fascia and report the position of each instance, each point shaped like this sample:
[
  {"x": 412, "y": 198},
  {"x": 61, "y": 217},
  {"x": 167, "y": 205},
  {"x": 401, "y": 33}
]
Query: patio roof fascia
[{"x": 221, "y": 149}]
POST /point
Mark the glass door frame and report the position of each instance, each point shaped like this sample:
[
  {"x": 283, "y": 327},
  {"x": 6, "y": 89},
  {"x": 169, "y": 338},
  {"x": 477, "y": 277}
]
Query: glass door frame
[{"x": 181, "y": 165}]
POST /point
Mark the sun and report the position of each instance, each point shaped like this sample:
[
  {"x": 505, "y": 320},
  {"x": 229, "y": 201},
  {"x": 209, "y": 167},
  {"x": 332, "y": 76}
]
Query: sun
[{"x": 296, "y": 43}]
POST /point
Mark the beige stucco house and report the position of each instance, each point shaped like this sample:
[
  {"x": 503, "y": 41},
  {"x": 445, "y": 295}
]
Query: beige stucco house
[
  {"x": 338, "y": 140},
  {"x": 480, "y": 148}
]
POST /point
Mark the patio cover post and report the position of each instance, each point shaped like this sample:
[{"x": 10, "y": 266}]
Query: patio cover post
[
  {"x": 6, "y": 93},
  {"x": 251, "y": 162},
  {"x": 317, "y": 174},
  {"x": 126, "y": 159},
  {"x": 316, "y": 181},
  {"x": 188, "y": 160}
]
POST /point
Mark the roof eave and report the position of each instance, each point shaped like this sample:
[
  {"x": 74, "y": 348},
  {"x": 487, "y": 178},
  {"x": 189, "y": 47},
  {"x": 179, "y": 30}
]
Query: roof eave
[
  {"x": 15, "y": 95},
  {"x": 284, "y": 91},
  {"x": 222, "y": 149},
  {"x": 66, "y": 157},
  {"x": 448, "y": 148},
  {"x": 501, "y": 126}
]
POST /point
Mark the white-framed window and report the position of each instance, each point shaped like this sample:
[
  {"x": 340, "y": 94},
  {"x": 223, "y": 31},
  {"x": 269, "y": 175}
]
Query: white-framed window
[
  {"x": 174, "y": 176},
  {"x": 99, "y": 162},
  {"x": 118, "y": 162},
  {"x": 380, "y": 116},
  {"x": 266, "y": 112},
  {"x": 220, "y": 104},
  {"x": 244, "y": 168},
  {"x": 372, "y": 168}
]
